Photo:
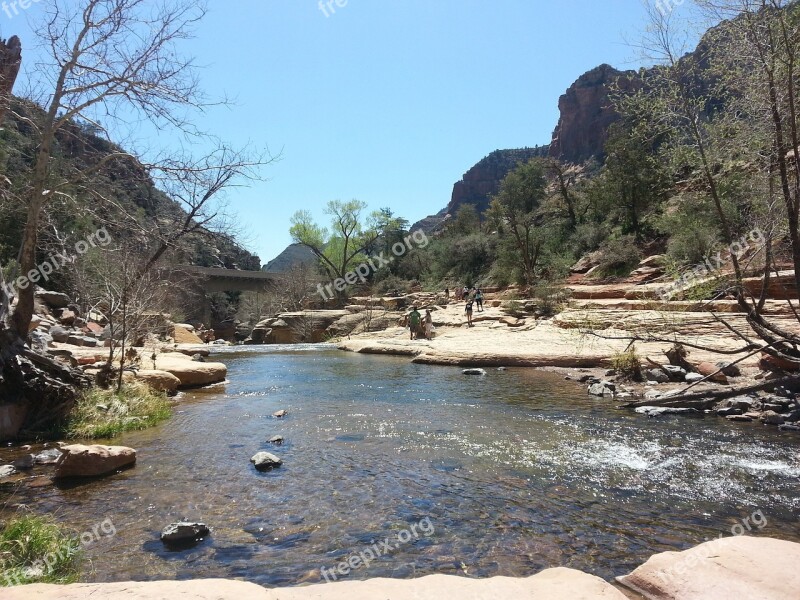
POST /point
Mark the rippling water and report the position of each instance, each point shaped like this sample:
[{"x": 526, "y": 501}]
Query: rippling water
[{"x": 516, "y": 471}]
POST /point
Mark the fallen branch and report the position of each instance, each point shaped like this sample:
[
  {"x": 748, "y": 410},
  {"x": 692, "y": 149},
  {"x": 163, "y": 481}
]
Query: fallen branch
[{"x": 708, "y": 398}]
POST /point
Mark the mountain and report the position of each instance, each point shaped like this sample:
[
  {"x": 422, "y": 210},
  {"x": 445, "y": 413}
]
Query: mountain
[
  {"x": 294, "y": 254},
  {"x": 586, "y": 114},
  {"x": 126, "y": 182},
  {"x": 480, "y": 183}
]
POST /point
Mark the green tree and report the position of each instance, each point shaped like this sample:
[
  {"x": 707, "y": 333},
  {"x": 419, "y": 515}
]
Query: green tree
[
  {"x": 514, "y": 211},
  {"x": 636, "y": 182},
  {"x": 345, "y": 245}
]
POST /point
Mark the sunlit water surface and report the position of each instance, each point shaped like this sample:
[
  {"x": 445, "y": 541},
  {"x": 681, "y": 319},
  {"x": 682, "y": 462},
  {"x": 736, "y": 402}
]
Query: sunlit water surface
[{"x": 515, "y": 472}]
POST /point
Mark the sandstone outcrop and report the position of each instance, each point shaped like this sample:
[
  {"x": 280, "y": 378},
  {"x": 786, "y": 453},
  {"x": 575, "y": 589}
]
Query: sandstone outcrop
[
  {"x": 191, "y": 373},
  {"x": 552, "y": 584},
  {"x": 161, "y": 381},
  {"x": 78, "y": 460},
  {"x": 586, "y": 113},
  {"x": 722, "y": 569}
]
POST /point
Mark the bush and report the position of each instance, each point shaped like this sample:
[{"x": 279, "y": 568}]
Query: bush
[
  {"x": 26, "y": 540},
  {"x": 103, "y": 413},
  {"x": 618, "y": 257},
  {"x": 389, "y": 284},
  {"x": 550, "y": 298},
  {"x": 627, "y": 364}
]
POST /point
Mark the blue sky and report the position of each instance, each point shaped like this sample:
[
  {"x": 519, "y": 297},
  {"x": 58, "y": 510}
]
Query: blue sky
[{"x": 387, "y": 101}]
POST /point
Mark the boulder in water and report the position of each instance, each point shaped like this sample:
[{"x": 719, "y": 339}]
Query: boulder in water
[
  {"x": 78, "y": 460},
  {"x": 770, "y": 417},
  {"x": 279, "y": 414},
  {"x": 183, "y": 532},
  {"x": 473, "y": 372},
  {"x": 276, "y": 439},
  {"x": 265, "y": 461}
]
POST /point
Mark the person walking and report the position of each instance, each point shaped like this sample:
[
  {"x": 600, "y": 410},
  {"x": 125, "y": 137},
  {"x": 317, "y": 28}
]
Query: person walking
[
  {"x": 468, "y": 311},
  {"x": 479, "y": 300},
  {"x": 414, "y": 322},
  {"x": 428, "y": 324}
]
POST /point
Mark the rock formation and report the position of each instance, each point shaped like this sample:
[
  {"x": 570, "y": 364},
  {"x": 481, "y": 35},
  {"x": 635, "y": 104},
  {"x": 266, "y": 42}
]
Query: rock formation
[
  {"x": 587, "y": 113},
  {"x": 480, "y": 183}
]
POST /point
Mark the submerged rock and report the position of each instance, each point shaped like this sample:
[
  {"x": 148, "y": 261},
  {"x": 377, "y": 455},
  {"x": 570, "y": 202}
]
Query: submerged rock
[
  {"x": 264, "y": 461},
  {"x": 276, "y": 439},
  {"x": 657, "y": 411},
  {"x": 279, "y": 414},
  {"x": 473, "y": 372},
  {"x": 183, "y": 532}
]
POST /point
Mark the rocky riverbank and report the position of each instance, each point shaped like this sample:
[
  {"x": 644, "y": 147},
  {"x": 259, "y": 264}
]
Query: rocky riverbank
[{"x": 733, "y": 567}]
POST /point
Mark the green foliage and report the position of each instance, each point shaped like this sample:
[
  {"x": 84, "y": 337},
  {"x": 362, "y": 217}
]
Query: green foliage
[
  {"x": 515, "y": 213},
  {"x": 550, "y": 298},
  {"x": 627, "y": 364},
  {"x": 103, "y": 413},
  {"x": 466, "y": 222},
  {"x": 618, "y": 257},
  {"x": 345, "y": 246},
  {"x": 693, "y": 230},
  {"x": 27, "y": 541}
]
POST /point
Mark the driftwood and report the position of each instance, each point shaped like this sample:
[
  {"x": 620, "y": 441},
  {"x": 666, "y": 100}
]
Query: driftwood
[{"x": 707, "y": 399}]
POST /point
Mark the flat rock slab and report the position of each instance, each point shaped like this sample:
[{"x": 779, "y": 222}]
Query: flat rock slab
[
  {"x": 756, "y": 568},
  {"x": 191, "y": 373},
  {"x": 78, "y": 460},
  {"x": 552, "y": 584}
]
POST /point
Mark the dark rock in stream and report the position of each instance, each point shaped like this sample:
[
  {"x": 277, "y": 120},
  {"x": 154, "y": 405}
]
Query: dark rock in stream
[
  {"x": 265, "y": 461},
  {"x": 473, "y": 372},
  {"x": 184, "y": 532},
  {"x": 23, "y": 463}
]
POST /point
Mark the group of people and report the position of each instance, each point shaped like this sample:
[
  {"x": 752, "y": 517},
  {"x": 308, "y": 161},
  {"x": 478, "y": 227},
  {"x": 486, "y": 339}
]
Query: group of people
[
  {"x": 420, "y": 326},
  {"x": 470, "y": 295}
]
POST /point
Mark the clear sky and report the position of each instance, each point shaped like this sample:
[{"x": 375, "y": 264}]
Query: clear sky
[{"x": 387, "y": 101}]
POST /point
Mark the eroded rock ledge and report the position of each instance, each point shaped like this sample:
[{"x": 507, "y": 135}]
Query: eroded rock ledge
[{"x": 721, "y": 569}]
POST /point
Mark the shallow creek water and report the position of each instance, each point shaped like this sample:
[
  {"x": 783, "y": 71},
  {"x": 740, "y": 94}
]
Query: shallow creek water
[{"x": 514, "y": 472}]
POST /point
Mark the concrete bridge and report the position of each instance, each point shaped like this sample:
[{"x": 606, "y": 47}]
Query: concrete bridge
[{"x": 232, "y": 280}]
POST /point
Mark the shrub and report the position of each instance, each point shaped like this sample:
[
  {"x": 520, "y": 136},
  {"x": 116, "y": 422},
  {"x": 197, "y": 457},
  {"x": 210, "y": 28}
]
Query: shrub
[
  {"x": 627, "y": 364},
  {"x": 103, "y": 413},
  {"x": 618, "y": 257},
  {"x": 26, "y": 540},
  {"x": 550, "y": 298}
]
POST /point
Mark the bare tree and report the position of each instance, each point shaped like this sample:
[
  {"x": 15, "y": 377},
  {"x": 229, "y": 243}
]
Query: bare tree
[
  {"x": 729, "y": 114},
  {"x": 110, "y": 63}
]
